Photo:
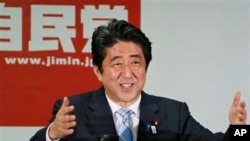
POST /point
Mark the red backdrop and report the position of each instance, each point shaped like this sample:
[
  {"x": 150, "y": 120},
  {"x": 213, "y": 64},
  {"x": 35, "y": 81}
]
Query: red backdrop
[{"x": 33, "y": 72}]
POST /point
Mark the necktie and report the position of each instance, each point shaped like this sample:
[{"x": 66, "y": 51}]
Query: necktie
[{"x": 125, "y": 133}]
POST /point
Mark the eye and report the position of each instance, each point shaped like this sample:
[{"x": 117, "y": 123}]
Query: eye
[
  {"x": 117, "y": 64},
  {"x": 135, "y": 63}
]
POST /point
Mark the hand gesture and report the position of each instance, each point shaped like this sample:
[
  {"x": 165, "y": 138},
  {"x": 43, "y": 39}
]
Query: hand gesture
[
  {"x": 238, "y": 113},
  {"x": 64, "y": 121}
]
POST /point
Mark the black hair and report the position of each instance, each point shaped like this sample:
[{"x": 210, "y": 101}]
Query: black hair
[{"x": 117, "y": 30}]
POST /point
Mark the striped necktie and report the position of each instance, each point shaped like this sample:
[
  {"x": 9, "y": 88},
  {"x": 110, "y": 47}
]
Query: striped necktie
[{"x": 125, "y": 133}]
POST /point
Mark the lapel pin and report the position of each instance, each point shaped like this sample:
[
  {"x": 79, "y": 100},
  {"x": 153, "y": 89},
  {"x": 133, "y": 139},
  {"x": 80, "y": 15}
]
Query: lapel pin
[
  {"x": 153, "y": 127},
  {"x": 148, "y": 128}
]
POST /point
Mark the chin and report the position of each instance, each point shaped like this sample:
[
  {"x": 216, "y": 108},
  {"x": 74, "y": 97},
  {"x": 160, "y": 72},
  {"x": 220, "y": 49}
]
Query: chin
[{"x": 128, "y": 97}]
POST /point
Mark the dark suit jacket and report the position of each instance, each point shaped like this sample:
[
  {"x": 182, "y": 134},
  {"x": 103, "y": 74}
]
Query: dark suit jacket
[{"x": 95, "y": 122}]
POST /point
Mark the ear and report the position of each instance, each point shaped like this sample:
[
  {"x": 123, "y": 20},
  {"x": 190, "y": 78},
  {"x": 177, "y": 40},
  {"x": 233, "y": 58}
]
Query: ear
[{"x": 97, "y": 73}]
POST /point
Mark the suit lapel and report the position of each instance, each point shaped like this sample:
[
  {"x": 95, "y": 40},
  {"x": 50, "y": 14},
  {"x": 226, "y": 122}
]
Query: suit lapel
[
  {"x": 100, "y": 115},
  {"x": 148, "y": 115}
]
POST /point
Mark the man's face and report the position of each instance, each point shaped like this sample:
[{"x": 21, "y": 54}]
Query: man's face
[{"x": 124, "y": 72}]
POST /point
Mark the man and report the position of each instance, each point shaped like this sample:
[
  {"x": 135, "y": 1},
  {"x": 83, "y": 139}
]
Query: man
[{"x": 121, "y": 55}]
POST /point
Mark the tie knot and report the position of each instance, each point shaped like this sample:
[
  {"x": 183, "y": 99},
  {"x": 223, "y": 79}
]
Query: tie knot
[{"x": 125, "y": 113}]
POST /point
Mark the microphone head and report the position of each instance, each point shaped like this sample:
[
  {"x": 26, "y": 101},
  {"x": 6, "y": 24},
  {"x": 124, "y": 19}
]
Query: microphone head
[{"x": 108, "y": 137}]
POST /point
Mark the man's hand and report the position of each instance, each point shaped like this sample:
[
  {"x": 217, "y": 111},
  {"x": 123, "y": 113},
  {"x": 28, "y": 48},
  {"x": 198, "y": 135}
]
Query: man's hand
[
  {"x": 238, "y": 113},
  {"x": 64, "y": 122}
]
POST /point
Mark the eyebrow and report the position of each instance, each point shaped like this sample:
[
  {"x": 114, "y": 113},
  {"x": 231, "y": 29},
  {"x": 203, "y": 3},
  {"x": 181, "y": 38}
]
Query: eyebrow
[
  {"x": 133, "y": 56},
  {"x": 136, "y": 56},
  {"x": 115, "y": 57}
]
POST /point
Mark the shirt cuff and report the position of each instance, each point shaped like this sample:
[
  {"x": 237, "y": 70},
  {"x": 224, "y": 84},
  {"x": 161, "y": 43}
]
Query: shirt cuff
[{"x": 47, "y": 134}]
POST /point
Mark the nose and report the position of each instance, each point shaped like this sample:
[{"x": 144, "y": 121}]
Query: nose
[{"x": 127, "y": 71}]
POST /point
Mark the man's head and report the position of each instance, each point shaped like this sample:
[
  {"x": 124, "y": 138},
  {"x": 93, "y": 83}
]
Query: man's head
[
  {"x": 118, "y": 30},
  {"x": 121, "y": 55}
]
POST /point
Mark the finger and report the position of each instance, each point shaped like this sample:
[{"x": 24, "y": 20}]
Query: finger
[
  {"x": 65, "y": 102},
  {"x": 242, "y": 104},
  {"x": 242, "y": 118},
  {"x": 69, "y": 125},
  {"x": 65, "y": 108},
  {"x": 67, "y": 131},
  {"x": 69, "y": 118},
  {"x": 236, "y": 99},
  {"x": 242, "y": 114},
  {"x": 242, "y": 109},
  {"x": 62, "y": 132}
]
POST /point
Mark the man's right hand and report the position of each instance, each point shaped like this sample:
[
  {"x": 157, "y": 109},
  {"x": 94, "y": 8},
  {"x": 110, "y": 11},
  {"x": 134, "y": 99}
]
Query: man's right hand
[{"x": 64, "y": 121}]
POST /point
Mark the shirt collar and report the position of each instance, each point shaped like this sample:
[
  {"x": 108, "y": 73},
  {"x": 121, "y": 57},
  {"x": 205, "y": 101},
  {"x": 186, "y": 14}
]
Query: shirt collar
[{"x": 134, "y": 107}]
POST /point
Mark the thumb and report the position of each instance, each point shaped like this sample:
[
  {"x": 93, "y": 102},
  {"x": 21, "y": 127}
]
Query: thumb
[
  {"x": 236, "y": 99},
  {"x": 65, "y": 102}
]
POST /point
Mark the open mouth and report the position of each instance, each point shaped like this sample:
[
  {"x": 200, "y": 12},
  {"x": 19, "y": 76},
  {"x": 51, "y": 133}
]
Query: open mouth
[{"x": 126, "y": 85}]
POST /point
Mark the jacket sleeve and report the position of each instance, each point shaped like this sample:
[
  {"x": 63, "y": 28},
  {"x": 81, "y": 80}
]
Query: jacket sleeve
[
  {"x": 192, "y": 130},
  {"x": 40, "y": 135}
]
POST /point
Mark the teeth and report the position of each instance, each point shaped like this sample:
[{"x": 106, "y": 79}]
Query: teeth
[{"x": 126, "y": 85}]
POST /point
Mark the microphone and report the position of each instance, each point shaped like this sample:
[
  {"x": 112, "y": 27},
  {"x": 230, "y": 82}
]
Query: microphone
[{"x": 108, "y": 137}]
